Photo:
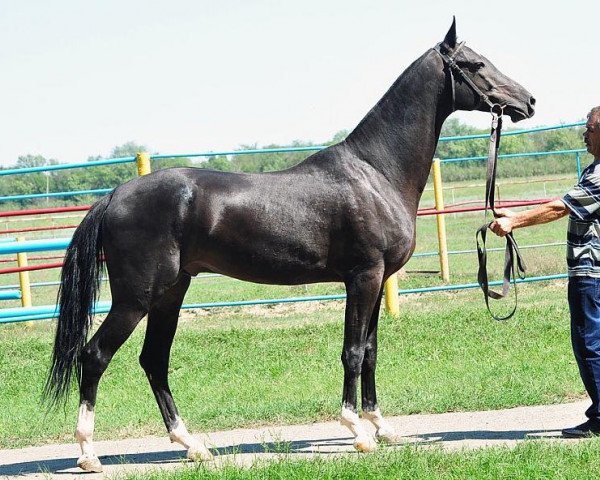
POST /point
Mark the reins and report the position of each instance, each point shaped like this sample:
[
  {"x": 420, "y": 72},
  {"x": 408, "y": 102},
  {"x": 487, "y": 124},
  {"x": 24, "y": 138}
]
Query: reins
[
  {"x": 511, "y": 269},
  {"x": 511, "y": 252}
]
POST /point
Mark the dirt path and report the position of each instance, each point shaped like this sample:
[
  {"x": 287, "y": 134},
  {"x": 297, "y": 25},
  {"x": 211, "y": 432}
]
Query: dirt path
[{"x": 244, "y": 446}]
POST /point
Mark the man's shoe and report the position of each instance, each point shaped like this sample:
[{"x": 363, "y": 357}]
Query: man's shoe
[{"x": 585, "y": 430}]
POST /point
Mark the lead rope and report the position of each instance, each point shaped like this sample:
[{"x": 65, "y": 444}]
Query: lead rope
[{"x": 512, "y": 250}]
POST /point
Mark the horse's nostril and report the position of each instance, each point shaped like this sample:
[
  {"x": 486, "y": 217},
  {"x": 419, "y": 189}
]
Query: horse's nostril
[{"x": 532, "y": 101}]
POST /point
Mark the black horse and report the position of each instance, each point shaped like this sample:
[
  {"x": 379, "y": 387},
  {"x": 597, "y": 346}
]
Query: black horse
[{"x": 345, "y": 214}]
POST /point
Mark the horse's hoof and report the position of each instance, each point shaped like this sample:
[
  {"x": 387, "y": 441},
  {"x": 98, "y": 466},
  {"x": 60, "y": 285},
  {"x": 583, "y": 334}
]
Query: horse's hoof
[
  {"x": 89, "y": 463},
  {"x": 199, "y": 454},
  {"x": 365, "y": 444}
]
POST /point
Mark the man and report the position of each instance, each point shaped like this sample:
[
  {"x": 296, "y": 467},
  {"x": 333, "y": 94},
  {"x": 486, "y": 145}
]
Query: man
[{"x": 582, "y": 204}]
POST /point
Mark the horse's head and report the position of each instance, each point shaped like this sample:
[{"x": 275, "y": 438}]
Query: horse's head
[{"x": 476, "y": 84}]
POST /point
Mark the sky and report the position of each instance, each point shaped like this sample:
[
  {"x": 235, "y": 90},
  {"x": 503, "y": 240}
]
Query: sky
[{"x": 78, "y": 78}]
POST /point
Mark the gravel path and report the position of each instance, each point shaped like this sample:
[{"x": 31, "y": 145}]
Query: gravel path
[{"x": 244, "y": 446}]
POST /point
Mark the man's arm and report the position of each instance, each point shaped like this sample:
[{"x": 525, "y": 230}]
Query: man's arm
[{"x": 508, "y": 220}]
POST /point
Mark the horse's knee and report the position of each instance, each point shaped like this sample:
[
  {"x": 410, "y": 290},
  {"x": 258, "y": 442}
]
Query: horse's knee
[
  {"x": 352, "y": 360},
  {"x": 144, "y": 360}
]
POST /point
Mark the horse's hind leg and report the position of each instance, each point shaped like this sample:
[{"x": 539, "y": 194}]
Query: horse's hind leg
[
  {"x": 95, "y": 357},
  {"x": 162, "y": 323}
]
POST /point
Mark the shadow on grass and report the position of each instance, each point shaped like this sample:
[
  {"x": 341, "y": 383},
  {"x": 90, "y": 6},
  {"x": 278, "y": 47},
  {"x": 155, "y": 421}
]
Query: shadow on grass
[
  {"x": 458, "y": 436},
  {"x": 299, "y": 448}
]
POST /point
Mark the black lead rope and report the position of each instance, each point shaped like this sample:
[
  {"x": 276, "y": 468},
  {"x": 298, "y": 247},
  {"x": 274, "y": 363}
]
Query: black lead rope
[{"x": 511, "y": 269}]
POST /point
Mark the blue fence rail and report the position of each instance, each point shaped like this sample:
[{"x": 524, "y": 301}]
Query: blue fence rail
[{"x": 34, "y": 246}]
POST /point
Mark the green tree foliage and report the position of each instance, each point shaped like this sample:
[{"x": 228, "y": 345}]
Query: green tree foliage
[
  {"x": 217, "y": 162},
  {"x": 461, "y": 149},
  {"x": 25, "y": 184},
  {"x": 269, "y": 162}
]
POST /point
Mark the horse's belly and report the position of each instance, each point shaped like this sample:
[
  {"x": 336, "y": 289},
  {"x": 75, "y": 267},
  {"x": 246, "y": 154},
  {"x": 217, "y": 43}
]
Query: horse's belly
[{"x": 270, "y": 264}]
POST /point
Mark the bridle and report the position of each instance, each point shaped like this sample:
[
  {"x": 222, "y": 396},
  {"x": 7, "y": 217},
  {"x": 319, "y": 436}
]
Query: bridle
[
  {"x": 450, "y": 62},
  {"x": 511, "y": 268}
]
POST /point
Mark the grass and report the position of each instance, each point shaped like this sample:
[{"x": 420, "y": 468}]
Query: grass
[
  {"x": 238, "y": 367},
  {"x": 528, "y": 460}
]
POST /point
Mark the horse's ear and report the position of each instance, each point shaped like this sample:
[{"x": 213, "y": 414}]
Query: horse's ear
[{"x": 450, "y": 39}]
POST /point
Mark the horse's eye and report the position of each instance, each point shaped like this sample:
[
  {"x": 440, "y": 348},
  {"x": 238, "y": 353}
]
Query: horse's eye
[{"x": 471, "y": 66}]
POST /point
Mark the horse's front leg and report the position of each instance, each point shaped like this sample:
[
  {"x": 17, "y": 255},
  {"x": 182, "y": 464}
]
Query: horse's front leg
[
  {"x": 363, "y": 293},
  {"x": 385, "y": 432}
]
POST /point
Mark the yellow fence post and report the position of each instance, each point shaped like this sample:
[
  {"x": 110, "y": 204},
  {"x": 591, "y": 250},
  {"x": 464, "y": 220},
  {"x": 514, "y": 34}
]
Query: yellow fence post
[
  {"x": 142, "y": 159},
  {"x": 441, "y": 221},
  {"x": 392, "y": 303},
  {"x": 24, "y": 278}
]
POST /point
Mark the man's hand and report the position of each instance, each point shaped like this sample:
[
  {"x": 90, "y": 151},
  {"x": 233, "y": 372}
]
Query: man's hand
[{"x": 503, "y": 224}]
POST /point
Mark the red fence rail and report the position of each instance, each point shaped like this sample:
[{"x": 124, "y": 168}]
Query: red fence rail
[{"x": 40, "y": 211}]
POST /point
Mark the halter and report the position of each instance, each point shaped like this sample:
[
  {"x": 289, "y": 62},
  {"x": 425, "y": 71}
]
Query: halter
[
  {"x": 450, "y": 62},
  {"x": 512, "y": 250}
]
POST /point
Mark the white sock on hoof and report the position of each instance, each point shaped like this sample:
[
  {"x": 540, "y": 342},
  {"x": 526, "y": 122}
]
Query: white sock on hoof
[
  {"x": 363, "y": 441},
  {"x": 197, "y": 451},
  {"x": 365, "y": 444},
  {"x": 84, "y": 432},
  {"x": 385, "y": 432}
]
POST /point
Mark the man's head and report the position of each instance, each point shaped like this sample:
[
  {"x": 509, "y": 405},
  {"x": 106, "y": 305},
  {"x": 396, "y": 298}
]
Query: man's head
[{"x": 591, "y": 136}]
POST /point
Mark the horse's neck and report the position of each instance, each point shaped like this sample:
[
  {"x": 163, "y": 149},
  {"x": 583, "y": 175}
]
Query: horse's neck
[{"x": 399, "y": 135}]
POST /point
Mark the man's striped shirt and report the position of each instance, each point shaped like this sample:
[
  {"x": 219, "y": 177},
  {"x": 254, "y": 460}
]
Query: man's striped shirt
[{"x": 583, "y": 232}]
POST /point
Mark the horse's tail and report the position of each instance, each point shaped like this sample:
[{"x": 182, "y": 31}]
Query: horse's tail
[{"x": 79, "y": 286}]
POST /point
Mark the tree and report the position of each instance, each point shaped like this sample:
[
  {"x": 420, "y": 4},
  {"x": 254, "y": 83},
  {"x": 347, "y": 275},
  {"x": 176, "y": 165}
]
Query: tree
[
  {"x": 27, "y": 161},
  {"x": 217, "y": 162}
]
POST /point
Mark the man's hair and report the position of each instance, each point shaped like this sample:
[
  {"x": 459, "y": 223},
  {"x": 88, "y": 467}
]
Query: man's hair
[{"x": 595, "y": 112}]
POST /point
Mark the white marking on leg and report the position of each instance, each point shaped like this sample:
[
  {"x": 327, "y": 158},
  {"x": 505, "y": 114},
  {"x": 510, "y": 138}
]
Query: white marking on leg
[
  {"x": 362, "y": 440},
  {"x": 84, "y": 433},
  {"x": 385, "y": 432},
  {"x": 196, "y": 450}
]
